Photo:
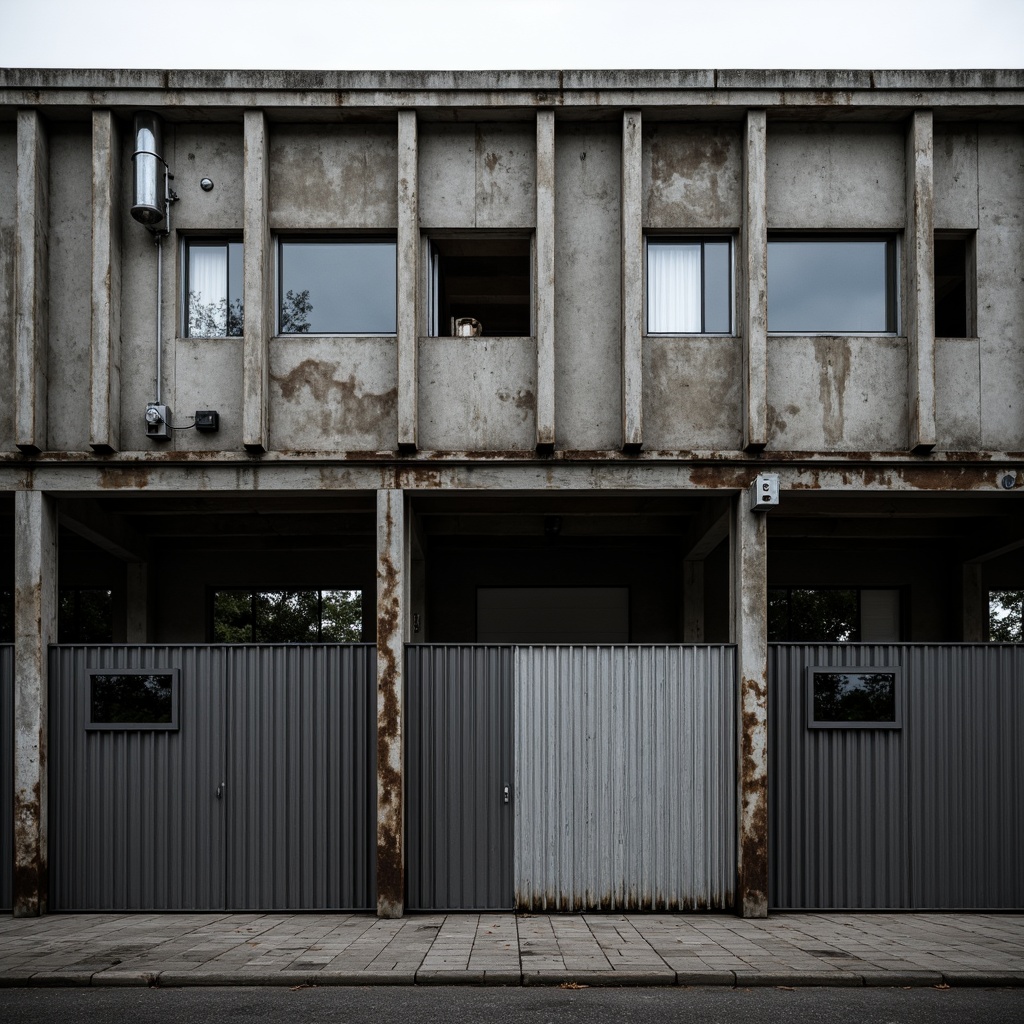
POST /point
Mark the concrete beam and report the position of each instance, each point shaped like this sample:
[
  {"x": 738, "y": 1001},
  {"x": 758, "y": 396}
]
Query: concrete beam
[
  {"x": 632, "y": 281},
  {"x": 919, "y": 303},
  {"x": 257, "y": 283},
  {"x": 392, "y": 583},
  {"x": 749, "y": 558},
  {"x": 408, "y": 277},
  {"x": 544, "y": 280},
  {"x": 105, "y": 330},
  {"x": 710, "y": 535},
  {"x": 35, "y": 627},
  {"x": 31, "y": 259},
  {"x": 109, "y": 533},
  {"x": 754, "y": 303}
]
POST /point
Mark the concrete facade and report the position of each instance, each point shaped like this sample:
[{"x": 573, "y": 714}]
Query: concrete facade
[{"x": 586, "y": 451}]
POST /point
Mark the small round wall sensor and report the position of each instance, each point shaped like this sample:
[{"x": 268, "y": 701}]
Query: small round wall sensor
[
  {"x": 206, "y": 184},
  {"x": 1009, "y": 481}
]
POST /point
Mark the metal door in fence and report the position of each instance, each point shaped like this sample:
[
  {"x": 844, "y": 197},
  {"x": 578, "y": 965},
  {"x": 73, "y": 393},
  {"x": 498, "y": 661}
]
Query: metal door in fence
[
  {"x": 261, "y": 798},
  {"x": 929, "y": 815},
  {"x": 6, "y": 776}
]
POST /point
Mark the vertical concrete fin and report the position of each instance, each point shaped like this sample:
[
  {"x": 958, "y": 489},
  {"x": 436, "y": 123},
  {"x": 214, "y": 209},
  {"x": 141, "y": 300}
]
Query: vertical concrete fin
[
  {"x": 750, "y": 634},
  {"x": 919, "y": 307},
  {"x": 544, "y": 278},
  {"x": 257, "y": 285},
  {"x": 408, "y": 259},
  {"x": 632, "y": 281},
  {"x": 755, "y": 283},
  {"x": 35, "y": 622},
  {"x": 391, "y": 608},
  {"x": 31, "y": 257},
  {"x": 105, "y": 331}
]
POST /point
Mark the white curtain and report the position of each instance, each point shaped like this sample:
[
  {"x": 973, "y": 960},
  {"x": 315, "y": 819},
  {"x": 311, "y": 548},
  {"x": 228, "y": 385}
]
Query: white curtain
[
  {"x": 208, "y": 291},
  {"x": 673, "y": 288}
]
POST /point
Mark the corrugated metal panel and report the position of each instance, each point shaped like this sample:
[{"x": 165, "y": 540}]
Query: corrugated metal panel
[
  {"x": 6, "y": 776},
  {"x": 930, "y": 816},
  {"x": 135, "y": 822},
  {"x": 837, "y": 798},
  {"x": 625, "y": 777},
  {"x": 458, "y": 756}
]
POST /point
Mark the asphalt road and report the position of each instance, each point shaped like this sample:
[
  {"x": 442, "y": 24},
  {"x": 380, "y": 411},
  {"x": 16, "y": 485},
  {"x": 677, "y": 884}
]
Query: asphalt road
[{"x": 422, "y": 1005}]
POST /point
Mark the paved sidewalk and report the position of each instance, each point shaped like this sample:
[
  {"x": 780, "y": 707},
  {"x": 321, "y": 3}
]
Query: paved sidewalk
[{"x": 508, "y": 949}]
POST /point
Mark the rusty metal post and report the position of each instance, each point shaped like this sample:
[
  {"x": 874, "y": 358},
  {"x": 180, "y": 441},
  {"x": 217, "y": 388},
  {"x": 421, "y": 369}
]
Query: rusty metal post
[
  {"x": 750, "y": 634},
  {"x": 755, "y": 283},
  {"x": 632, "y": 281},
  {"x": 35, "y": 624},
  {"x": 391, "y": 615}
]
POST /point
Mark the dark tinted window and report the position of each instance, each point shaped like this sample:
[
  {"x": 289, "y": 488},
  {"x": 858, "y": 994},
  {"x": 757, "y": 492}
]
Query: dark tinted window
[
  {"x": 132, "y": 698},
  {"x": 849, "y": 698},
  {"x": 951, "y": 305}
]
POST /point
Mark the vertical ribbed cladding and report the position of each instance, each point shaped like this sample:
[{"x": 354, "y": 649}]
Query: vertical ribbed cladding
[
  {"x": 930, "y": 816},
  {"x": 625, "y": 777},
  {"x": 6, "y": 776},
  {"x": 458, "y": 757},
  {"x": 135, "y": 820}
]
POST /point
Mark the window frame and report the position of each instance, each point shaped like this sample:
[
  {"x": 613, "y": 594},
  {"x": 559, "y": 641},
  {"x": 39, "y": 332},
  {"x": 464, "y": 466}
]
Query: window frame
[
  {"x": 334, "y": 238},
  {"x": 172, "y": 726},
  {"x": 896, "y": 671},
  {"x": 225, "y": 240},
  {"x": 893, "y": 279},
  {"x": 700, "y": 238}
]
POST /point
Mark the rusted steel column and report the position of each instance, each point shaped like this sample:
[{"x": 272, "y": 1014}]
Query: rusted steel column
[
  {"x": 35, "y": 623},
  {"x": 919, "y": 315},
  {"x": 391, "y": 614},
  {"x": 31, "y": 258},
  {"x": 632, "y": 281},
  {"x": 105, "y": 336},
  {"x": 545, "y": 280},
  {"x": 257, "y": 283},
  {"x": 750, "y": 634},
  {"x": 408, "y": 262},
  {"x": 755, "y": 283}
]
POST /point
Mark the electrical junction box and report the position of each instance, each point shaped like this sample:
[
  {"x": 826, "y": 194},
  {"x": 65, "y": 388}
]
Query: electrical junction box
[
  {"x": 158, "y": 422},
  {"x": 764, "y": 492},
  {"x": 207, "y": 420}
]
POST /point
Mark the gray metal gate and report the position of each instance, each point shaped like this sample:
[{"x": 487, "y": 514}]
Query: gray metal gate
[
  {"x": 458, "y": 729},
  {"x": 926, "y": 816},
  {"x": 6, "y": 776},
  {"x": 263, "y": 798}
]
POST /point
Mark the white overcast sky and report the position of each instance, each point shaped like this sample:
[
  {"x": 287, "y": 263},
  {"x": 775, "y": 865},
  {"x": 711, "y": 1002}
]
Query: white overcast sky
[{"x": 512, "y": 34}]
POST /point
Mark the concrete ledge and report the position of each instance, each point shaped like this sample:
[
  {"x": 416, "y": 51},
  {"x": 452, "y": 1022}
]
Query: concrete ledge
[
  {"x": 596, "y": 979},
  {"x": 124, "y": 979},
  {"x": 830, "y": 979},
  {"x": 60, "y": 979},
  {"x": 995, "y": 979},
  {"x": 916, "y": 978},
  {"x": 705, "y": 978},
  {"x": 363, "y": 978},
  {"x": 454, "y": 977},
  {"x": 182, "y": 979}
]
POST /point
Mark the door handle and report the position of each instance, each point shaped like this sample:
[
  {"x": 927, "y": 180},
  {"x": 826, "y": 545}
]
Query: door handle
[
  {"x": 506, "y": 794},
  {"x": 220, "y": 791}
]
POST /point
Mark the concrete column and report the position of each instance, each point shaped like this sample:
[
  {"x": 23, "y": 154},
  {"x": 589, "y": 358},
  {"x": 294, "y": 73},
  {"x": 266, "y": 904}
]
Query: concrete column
[
  {"x": 919, "y": 302},
  {"x": 975, "y": 604},
  {"x": 750, "y": 634},
  {"x": 755, "y": 284},
  {"x": 257, "y": 283},
  {"x": 408, "y": 276},
  {"x": 693, "y": 601},
  {"x": 105, "y": 334},
  {"x": 392, "y": 583},
  {"x": 137, "y": 601},
  {"x": 31, "y": 252},
  {"x": 544, "y": 280},
  {"x": 35, "y": 627},
  {"x": 632, "y": 281}
]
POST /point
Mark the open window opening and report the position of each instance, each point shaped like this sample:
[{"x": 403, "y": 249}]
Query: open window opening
[
  {"x": 480, "y": 281},
  {"x": 834, "y": 615},
  {"x": 954, "y": 287},
  {"x": 1006, "y": 616},
  {"x": 250, "y": 616}
]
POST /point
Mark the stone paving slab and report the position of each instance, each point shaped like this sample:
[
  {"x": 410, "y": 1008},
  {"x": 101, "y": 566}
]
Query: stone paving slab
[{"x": 506, "y": 949}]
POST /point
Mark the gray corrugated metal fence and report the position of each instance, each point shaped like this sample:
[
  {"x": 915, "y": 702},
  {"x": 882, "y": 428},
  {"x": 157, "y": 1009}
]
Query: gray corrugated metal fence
[
  {"x": 625, "y": 777},
  {"x": 458, "y": 756},
  {"x": 135, "y": 820},
  {"x": 6, "y": 776},
  {"x": 928, "y": 816}
]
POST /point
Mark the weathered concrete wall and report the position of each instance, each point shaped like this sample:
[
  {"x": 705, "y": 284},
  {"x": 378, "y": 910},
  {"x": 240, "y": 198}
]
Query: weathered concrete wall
[
  {"x": 692, "y": 176},
  {"x": 70, "y": 288},
  {"x": 8, "y": 208},
  {"x": 478, "y": 175},
  {"x": 588, "y": 357},
  {"x": 206, "y": 375},
  {"x": 477, "y": 394},
  {"x": 1000, "y": 249},
  {"x": 848, "y": 177},
  {"x": 197, "y": 151},
  {"x": 693, "y": 393},
  {"x": 333, "y": 394},
  {"x": 333, "y": 176},
  {"x": 837, "y": 393},
  {"x": 956, "y": 177}
]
